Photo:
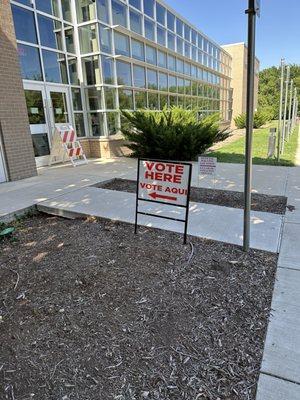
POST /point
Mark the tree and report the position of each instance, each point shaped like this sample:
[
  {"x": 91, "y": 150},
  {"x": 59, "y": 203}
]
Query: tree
[{"x": 269, "y": 87}]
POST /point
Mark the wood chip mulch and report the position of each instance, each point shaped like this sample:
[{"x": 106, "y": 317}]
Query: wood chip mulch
[
  {"x": 90, "y": 311},
  {"x": 227, "y": 198}
]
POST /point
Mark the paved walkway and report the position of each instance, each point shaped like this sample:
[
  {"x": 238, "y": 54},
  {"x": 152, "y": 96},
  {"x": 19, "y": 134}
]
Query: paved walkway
[
  {"x": 280, "y": 371},
  {"x": 205, "y": 220}
]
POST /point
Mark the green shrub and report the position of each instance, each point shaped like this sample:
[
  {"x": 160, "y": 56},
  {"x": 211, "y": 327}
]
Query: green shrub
[
  {"x": 240, "y": 121},
  {"x": 261, "y": 117},
  {"x": 174, "y": 134}
]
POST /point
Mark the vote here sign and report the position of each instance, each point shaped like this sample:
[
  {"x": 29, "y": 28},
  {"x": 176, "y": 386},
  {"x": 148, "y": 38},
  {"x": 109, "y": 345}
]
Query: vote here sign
[{"x": 164, "y": 182}]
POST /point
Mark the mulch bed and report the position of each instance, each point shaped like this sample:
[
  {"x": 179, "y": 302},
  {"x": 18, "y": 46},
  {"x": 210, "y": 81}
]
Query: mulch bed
[
  {"x": 91, "y": 311},
  {"x": 227, "y": 198}
]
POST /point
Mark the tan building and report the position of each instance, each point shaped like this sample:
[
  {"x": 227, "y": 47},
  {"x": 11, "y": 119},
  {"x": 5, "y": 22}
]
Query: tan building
[{"x": 238, "y": 52}]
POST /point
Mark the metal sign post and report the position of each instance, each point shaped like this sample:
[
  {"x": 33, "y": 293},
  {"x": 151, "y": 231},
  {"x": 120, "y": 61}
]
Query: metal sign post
[
  {"x": 252, "y": 11},
  {"x": 165, "y": 183},
  {"x": 280, "y": 127}
]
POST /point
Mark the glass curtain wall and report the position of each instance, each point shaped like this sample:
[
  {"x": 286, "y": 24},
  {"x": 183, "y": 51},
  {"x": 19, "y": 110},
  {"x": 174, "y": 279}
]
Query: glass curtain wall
[{"x": 132, "y": 53}]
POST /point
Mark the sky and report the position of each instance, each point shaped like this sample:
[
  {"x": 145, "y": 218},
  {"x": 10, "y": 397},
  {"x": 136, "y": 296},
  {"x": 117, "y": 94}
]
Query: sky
[{"x": 225, "y": 21}]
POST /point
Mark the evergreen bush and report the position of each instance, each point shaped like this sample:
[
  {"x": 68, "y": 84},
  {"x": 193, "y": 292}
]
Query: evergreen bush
[{"x": 173, "y": 134}]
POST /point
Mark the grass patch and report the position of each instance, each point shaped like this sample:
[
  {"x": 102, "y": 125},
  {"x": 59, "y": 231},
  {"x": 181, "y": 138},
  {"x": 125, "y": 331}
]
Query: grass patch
[{"x": 234, "y": 152}]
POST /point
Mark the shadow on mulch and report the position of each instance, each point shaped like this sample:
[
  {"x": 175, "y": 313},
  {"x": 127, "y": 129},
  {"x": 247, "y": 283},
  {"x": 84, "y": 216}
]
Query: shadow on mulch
[{"x": 91, "y": 311}]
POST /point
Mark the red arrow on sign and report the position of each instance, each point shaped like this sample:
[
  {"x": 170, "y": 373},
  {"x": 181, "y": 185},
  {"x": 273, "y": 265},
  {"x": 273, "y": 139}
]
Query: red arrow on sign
[{"x": 154, "y": 195}]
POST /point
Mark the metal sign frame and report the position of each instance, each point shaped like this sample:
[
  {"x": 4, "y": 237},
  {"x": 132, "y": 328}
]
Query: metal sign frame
[{"x": 186, "y": 206}]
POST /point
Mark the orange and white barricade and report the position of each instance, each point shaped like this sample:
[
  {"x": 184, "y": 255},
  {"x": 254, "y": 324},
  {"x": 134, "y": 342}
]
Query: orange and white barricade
[{"x": 65, "y": 145}]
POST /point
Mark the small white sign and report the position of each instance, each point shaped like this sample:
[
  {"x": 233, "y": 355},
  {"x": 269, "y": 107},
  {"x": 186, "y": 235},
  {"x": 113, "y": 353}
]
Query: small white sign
[
  {"x": 164, "y": 182},
  {"x": 207, "y": 165},
  {"x": 34, "y": 110}
]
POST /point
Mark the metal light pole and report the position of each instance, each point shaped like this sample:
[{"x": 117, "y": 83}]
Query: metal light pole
[
  {"x": 253, "y": 10},
  {"x": 280, "y": 109},
  {"x": 290, "y": 108},
  {"x": 285, "y": 106}
]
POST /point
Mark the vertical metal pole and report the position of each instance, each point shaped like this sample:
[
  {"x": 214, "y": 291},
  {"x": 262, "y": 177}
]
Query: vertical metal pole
[
  {"x": 280, "y": 109},
  {"x": 137, "y": 197},
  {"x": 290, "y": 108},
  {"x": 285, "y": 107},
  {"x": 187, "y": 206},
  {"x": 249, "y": 120}
]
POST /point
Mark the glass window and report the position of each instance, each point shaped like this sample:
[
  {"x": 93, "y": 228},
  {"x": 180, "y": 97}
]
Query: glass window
[
  {"x": 125, "y": 99},
  {"x": 86, "y": 10},
  {"x": 110, "y": 98},
  {"x": 172, "y": 83},
  {"x": 73, "y": 73},
  {"x": 173, "y": 101},
  {"x": 25, "y": 2},
  {"x": 40, "y": 144},
  {"x": 135, "y": 3},
  {"x": 76, "y": 99},
  {"x": 48, "y": 6},
  {"x": 171, "y": 63},
  {"x": 180, "y": 83},
  {"x": 171, "y": 21},
  {"x": 124, "y": 73},
  {"x": 107, "y": 70},
  {"x": 103, "y": 10},
  {"x": 119, "y": 13},
  {"x": 200, "y": 41},
  {"x": 24, "y": 24},
  {"x": 187, "y": 32},
  {"x": 149, "y": 8},
  {"x": 179, "y": 27},
  {"x": 66, "y": 10},
  {"x": 171, "y": 41},
  {"x": 69, "y": 37},
  {"x": 179, "y": 46},
  {"x": 139, "y": 76},
  {"x": 88, "y": 39},
  {"x": 160, "y": 14},
  {"x": 151, "y": 55},
  {"x": 140, "y": 99},
  {"x": 79, "y": 124},
  {"x": 163, "y": 82},
  {"x": 50, "y": 32},
  {"x": 112, "y": 123},
  {"x": 149, "y": 29},
  {"x": 187, "y": 68},
  {"x": 153, "y": 101},
  {"x": 187, "y": 50},
  {"x": 35, "y": 107},
  {"x": 137, "y": 49},
  {"x": 194, "y": 37},
  {"x": 135, "y": 22},
  {"x": 194, "y": 71},
  {"x": 96, "y": 124},
  {"x": 152, "y": 79},
  {"x": 105, "y": 39},
  {"x": 94, "y": 98},
  {"x": 55, "y": 67},
  {"x": 122, "y": 44},
  {"x": 162, "y": 59},
  {"x": 187, "y": 84},
  {"x": 161, "y": 36},
  {"x": 194, "y": 53},
  {"x": 180, "y": 66},
  {"x": 91, "y": 70},
  {"x": 30, "y": 62},
  {"x": 163, "y": 101}
]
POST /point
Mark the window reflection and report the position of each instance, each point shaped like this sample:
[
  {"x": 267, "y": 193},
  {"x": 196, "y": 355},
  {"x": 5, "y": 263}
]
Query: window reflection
[
  {"x": 30, "y": 62},
  {"x": 50, "y": 32},
  {"x": 24, "y": 24},
  {"x": 48, "y": 6},
  {"x": 55, "y": 67}
]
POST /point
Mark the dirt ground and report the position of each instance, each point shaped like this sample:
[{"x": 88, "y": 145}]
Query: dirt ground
[
  {"x": 91, "y": 311},
  {"x": 227, "y": 198}
]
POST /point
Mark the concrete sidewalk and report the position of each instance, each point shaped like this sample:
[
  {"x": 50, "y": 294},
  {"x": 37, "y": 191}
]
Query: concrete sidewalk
[
  {"x": 205, "y": 220},
  {"x": 280, "y": 370}
]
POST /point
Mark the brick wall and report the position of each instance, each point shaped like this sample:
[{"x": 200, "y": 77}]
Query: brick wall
[{"x": 13, "y": 112}]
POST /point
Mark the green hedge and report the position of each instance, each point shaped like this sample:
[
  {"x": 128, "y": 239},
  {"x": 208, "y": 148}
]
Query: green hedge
[
  {"x": 261, "y": 117},
  {"x": 174, "y": 134}
]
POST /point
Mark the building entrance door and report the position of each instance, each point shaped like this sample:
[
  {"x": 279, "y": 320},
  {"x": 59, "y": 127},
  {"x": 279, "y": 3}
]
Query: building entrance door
[{"x": 48, "y": 107}]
